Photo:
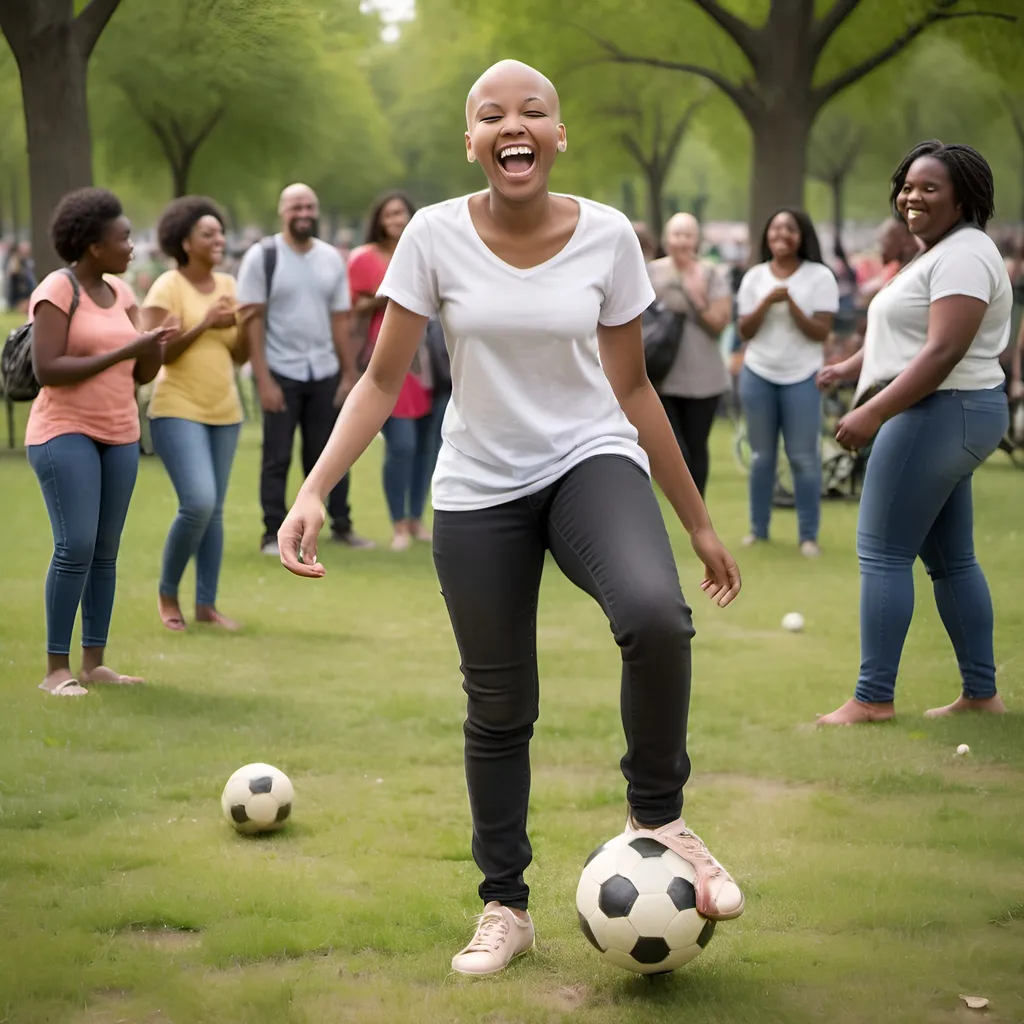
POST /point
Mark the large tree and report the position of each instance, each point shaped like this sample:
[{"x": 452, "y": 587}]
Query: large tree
[
  {"x": 778, "y": 61},
  {"x": 52, "y": 47},
  {"x": 242, "y": 96}
]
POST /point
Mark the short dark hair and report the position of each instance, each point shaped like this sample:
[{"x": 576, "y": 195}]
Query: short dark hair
[
  {"x": 178, "y": 220},
  {"x": 374, "y": 227},
  {"x": 969, "y": 174},
  {"x": 810, "y": 247},
  {"x": 80, "y": 219}
]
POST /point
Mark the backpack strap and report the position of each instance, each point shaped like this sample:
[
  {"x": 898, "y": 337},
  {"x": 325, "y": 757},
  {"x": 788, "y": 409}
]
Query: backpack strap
[
  {"x": 269, "y": 246},
  {"x": 75, "y": 292}
]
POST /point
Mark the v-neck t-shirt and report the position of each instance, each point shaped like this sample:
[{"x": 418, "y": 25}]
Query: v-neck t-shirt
[
  {"x": 530, "y": 399},
  {"x": 102, "y": 406}
]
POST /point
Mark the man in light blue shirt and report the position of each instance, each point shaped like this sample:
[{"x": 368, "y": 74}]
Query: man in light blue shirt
[{"x": 301, "y": 352}]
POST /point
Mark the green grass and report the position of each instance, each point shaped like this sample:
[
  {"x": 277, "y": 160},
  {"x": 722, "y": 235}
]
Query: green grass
[{"x": 884, "y": 875}]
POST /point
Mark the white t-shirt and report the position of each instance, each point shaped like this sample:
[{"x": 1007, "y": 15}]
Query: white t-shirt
[
  {"x": 780, "y": 352},
  {"x": 529, "y": 397},
  {"x": 966, "y": 262}
]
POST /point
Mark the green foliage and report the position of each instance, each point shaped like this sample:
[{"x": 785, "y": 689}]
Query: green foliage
[
  {"x": 882, "y": 872},
  {"x": 257, "y": 92}
]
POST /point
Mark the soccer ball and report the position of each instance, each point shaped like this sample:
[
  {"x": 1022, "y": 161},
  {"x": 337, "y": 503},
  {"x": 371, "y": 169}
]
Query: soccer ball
[
  {"x": 257, "y": 798},
  {"x": 637, "y": 905}
]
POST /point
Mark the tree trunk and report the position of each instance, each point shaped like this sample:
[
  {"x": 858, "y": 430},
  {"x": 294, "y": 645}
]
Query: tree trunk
[
  {"x": 780, "y": 163},
  {"x": 180, "y": 170},
  {"x": 837, "y": 209},
  {"x": 654, "y": 176},
  {"x": 53, "y": 85}
]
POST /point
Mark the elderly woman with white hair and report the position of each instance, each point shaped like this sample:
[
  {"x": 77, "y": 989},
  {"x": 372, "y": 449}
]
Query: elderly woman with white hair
[{"x": 693, "y": 387}]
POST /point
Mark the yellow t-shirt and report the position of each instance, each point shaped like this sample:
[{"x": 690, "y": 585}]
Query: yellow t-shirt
[{"x": 200, "y": 384}]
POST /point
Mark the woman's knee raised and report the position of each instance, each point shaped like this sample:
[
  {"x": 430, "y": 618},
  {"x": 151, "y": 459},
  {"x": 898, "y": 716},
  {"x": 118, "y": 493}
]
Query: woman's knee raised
[{"x": 653, "y": 618}]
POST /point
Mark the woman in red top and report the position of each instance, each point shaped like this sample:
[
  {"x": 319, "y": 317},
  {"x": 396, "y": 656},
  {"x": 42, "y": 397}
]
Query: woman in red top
[{"x": 407, "y": 435}]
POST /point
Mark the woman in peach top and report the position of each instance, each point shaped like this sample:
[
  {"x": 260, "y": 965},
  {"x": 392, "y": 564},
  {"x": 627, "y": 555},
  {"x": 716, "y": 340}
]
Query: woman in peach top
[{"x": 83, "y": 430}]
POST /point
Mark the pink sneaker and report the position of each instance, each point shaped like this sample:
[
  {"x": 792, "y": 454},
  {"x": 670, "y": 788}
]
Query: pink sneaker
[
  {"x": 718, "y": 896},
  {"x": 500, "y": 937}
]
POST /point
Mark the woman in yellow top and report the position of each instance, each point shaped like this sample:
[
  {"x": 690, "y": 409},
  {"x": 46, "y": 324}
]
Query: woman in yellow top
[{"x": 195, "y": 411}]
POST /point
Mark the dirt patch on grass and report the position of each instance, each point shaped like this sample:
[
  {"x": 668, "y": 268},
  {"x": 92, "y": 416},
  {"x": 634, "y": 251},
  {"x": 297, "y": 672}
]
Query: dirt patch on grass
[
  {"x": 566, "y": 998},
  {"x": 974, "y": 773},
  {"x": 161, "y": 937},
  {"x": 754, "y": 785}
]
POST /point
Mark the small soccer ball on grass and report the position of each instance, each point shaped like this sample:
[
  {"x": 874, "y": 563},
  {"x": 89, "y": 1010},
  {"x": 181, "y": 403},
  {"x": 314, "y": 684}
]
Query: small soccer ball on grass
[
  {"x": 793, "y": 621},
  {"x": 257, "y": 798},
  {"x": 637, "y": 906}
]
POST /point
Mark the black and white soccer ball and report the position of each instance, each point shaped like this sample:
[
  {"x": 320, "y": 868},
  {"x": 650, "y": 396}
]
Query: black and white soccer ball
[
  {"x": 637, "y": 905},
  {"x": 257, "y": 798}
]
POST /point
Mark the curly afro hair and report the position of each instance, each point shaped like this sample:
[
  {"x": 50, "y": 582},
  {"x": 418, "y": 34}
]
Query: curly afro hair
[
  {"x": 80, "y": 220},
  {"x": 178, "y": 220}
]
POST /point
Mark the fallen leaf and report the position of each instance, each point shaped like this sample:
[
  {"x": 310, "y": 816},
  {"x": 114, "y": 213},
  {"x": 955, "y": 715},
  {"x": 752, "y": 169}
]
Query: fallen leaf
[{"x": 975, "y": 1002}]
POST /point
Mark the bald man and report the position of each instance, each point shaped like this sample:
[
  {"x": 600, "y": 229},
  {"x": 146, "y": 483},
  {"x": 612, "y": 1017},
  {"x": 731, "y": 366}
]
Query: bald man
[{"x": 301, "y": 352}]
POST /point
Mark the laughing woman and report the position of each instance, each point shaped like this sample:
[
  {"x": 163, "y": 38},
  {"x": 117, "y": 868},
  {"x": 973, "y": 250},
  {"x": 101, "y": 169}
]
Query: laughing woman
[
  {"x": 195, "y": 411},
  {"x": 931, "y": 389},
  {"x": 550, "y": 437}
]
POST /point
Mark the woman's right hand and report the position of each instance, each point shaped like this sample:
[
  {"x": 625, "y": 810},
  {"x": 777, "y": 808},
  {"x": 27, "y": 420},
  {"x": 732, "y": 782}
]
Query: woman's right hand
[
  {"x": 222, "y": 313},
  {"x": 297, "y": 538},
  {"x": 776, "y": 295},
  {"x": 833, "y": 375},
  {"x": 149, "y": 344}
]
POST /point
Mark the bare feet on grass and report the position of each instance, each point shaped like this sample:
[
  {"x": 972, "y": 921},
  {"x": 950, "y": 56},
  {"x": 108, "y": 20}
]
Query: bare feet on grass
[
  {"x": 855, "y": 712},
  {"x": 212, "y": 617},
  {"x": 993, "y": 705},
  {"x": 94, "y": 671},
  {"x": 103, "y": 674},
  {"x": 170, "y": 613}
]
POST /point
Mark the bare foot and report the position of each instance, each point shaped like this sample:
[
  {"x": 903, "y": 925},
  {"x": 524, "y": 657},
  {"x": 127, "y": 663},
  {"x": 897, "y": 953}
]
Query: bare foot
[
  {"x": 420, "y": 532},
  {"x": 993, "y": 705},
  {"x": 402, "y": 540},
  {"x": 204, "y": 613},
  {"x": 170, "y": 613},
  {"x": 855, "y": 712},
  {"x": 61, "y": 683},
  {"x": 102, "y": 674}
]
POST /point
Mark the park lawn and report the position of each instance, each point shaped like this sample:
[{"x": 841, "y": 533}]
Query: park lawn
[{"x": 884, "y": 875}]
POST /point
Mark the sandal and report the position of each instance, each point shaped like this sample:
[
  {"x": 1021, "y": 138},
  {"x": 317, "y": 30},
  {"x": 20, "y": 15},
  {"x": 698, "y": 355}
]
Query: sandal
[{"x": 69, "y": 688}]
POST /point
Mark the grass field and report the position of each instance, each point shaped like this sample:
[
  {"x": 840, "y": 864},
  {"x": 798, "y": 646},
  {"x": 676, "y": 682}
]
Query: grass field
[{"x": 884, "y": 875}]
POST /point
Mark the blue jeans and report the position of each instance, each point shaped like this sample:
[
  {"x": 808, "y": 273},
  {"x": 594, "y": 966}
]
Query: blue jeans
[
  {"x": 916, "y": 501},
  {"x": 87, "y": 487},
  {"x": 408, "y": 464},
  {"x": 795, "y": 410},
  {"x": 198, "y": 460}
]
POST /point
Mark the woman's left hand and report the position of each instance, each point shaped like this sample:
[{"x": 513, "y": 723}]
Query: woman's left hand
[
  {"x": 858, "y": 427},
  {"x": 721, "y": 573}
]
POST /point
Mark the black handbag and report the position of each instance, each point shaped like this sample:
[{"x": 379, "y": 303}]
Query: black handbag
[{"x": 662, "y": 331}]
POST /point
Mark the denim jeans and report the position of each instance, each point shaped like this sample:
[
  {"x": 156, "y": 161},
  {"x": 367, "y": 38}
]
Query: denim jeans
[
  {"x": 87, "y": 487},
  {"x": 795, "y": 411},
  {"x": 198, "y": 460},
  {"x": 409, "y": 458},
  {"x": 916, "y": 501},
  {"x": 603, "y": 527}
]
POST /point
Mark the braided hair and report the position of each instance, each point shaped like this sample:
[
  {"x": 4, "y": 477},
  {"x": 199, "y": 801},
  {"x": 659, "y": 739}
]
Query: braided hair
[{"x": 969, "y": 174}]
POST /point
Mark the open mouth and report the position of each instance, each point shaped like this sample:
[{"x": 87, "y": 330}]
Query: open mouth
[{"x": 516, "y": 161}]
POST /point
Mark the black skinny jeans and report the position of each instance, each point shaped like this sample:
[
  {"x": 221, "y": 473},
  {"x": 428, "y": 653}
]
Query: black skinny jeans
[
  {"x": 692, "y": 420},
  {"x": 603, "y": 525},
  {"x": 309, "y": 405}
]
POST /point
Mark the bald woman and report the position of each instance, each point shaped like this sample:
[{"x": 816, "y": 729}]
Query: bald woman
[{"x": 550, "y": 438}]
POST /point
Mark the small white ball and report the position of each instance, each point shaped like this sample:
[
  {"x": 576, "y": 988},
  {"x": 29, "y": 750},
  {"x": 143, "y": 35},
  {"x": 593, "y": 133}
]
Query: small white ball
[
  {"x": 793, "y": 621},
  {"x": 963, "y": 749}
]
